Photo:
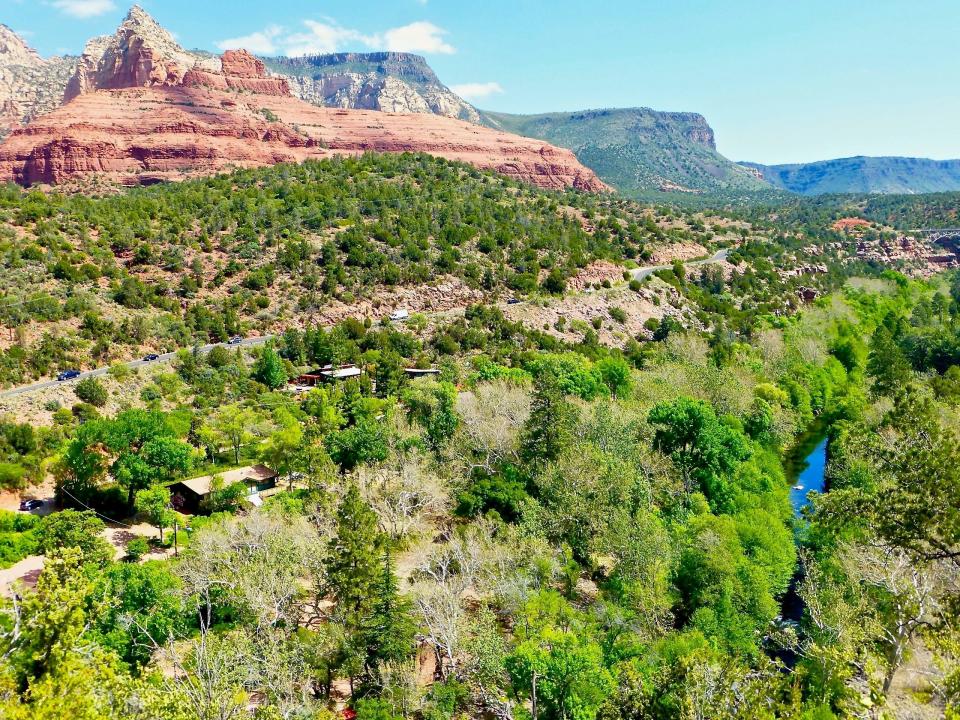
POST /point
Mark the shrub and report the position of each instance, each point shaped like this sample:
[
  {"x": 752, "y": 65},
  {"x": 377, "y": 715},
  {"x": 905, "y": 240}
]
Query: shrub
[
  {"x": 137, "y": 548},
  {"x": 119, "y": 371},
  {"x": 618, "y": 314},
  {"x": 91, "y": 391},
  {"x": 555, "y": 282}
]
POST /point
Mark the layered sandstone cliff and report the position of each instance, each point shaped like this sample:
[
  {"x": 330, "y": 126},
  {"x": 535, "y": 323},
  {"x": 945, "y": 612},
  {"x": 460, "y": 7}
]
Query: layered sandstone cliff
[
  {"x": 140, "y": 53},
  {"x": 239, "y": 117},
  {"x": 241, "y": 72}
]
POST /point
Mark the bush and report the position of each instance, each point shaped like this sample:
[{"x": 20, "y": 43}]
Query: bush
[
  {"x": 91, "y": 391},
  {"x": 555, "y": 282},
  {"x": 618, "y": 314},
  {"x": 119, "y": 371},
  {"x": 636, "y": 285},
  {"x": 137, "y": 548}
]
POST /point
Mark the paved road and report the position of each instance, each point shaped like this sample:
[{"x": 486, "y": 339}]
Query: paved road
[
  {"x": 645, "y": 272},
  {"x": 637, "y": 274},
  {"x": 166, "y": 357}
]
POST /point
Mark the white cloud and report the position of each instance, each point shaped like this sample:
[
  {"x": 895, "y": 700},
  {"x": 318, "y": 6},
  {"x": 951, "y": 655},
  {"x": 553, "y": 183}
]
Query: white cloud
[
  {"x": 262, "y": 42},
  {"x": 326, "y": 36},
  {"x": 477, "y": 90},
  {"x": 420, "y": 36},
  {"x": 84, "y": 8},
  {"x": 323, "y": 37}
]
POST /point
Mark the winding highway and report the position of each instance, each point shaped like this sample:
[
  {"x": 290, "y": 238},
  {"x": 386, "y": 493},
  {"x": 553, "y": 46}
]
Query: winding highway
[
  {"x": 165, "y": 357},
  {"x": 636, "y": 274},
  {"x": 645, "y": 272}
]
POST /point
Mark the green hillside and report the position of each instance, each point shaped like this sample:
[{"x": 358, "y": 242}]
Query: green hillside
[
  {"x": 641, "y": 152},
  {"x": 865, "y": 175}
]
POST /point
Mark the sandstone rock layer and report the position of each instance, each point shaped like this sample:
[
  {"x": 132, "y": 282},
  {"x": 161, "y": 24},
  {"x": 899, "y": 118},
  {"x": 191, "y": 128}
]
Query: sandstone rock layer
[{"x": 136, "y": 135}]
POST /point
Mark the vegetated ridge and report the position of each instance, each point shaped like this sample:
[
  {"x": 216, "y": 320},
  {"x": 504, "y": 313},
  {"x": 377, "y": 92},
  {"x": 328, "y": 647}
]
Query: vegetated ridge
[{"x": 639, "y": 151}]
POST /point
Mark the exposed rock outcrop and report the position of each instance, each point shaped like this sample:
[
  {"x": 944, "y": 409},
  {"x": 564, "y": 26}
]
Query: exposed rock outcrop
[
  {"x": 241, "y": 72},
  {"x": 140, "y": 53},
  {"x": 388, "y": 81},
  {"x": 161, "y": 132},
  {"x": 142, "y": 109},
  {"x": 29, "y": 85}
]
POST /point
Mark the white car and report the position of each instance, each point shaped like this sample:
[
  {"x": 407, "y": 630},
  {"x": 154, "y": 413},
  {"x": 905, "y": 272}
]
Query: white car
[{"x": 399, "y": 315}]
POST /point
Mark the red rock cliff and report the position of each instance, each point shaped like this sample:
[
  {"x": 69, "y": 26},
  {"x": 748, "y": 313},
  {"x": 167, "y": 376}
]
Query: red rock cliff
[
  {"x": 136, "y": 112},
  {"x": 241, "y": 72}
]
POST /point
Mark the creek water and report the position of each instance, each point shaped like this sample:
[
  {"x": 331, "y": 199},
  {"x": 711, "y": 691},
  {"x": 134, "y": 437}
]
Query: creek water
[
  {"x": 806, "y": 470},
  {"x": 809, "y": 474}
]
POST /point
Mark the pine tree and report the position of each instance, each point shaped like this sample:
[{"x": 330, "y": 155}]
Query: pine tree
[
  {"x": 390, "y": 629},
  {"x": 550, "y": 427},
  {"x": 353, "y": 571}
]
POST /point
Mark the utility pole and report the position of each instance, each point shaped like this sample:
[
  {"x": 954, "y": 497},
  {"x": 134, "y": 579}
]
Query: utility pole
[{"x": 176, "y": 549}]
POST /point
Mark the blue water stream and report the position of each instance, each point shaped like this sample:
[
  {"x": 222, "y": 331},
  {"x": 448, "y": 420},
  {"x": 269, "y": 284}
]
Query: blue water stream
[{"x": 811, "y": 477}]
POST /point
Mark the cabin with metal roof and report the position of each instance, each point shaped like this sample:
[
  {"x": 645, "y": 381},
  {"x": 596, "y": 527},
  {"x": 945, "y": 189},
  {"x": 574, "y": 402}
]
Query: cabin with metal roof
[{"x": 188, "y": 495}]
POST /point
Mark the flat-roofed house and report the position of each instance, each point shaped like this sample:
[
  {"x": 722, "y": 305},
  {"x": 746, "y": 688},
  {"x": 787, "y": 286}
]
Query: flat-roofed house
[
  {"x": 187, "y": 495},
  {"x": 326, "y": 374}
]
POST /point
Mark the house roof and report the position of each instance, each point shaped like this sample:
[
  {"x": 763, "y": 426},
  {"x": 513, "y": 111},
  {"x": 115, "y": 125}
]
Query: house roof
[
  {"x": 421, "y": 371},
  {"x": 340, "y": 373},
  {"x": 251, "y": 473}
]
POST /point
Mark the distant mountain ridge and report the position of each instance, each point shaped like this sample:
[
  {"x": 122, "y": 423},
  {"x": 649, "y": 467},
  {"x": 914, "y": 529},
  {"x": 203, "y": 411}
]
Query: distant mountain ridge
[
  {"x": 640, "y": 151},
  {"x": 861, "y": 174}
]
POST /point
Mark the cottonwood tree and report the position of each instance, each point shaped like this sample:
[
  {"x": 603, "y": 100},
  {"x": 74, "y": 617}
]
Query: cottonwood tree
[
  {"x": 444, "y": 574},
  {"x": 906, "y": 592},
  {"x": 492, "y": 417},
  {"x": 155, "y": 504},
  {"x": 404, "y": 496},
  {"x": 256, "y": 563},
  {"x": 838, "y": 623},
  {"x": 237, "y": 426}
]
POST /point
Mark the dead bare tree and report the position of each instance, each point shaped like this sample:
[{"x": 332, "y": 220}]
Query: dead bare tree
[
  {"x": 908, "y": 594},
  {"x": 493, "y": 416},
  {"x": 405, "y": 496}
]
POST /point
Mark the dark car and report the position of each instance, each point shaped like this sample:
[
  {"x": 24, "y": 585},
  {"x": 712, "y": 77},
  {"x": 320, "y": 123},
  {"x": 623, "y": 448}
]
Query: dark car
[
  {"x": 513, "y": 301},
  {"x": 68, "y": 375},
  {"x": 151, "y": 357},
  {"x": 235, "y": 340},
  {"x": 28, "y": 505}
]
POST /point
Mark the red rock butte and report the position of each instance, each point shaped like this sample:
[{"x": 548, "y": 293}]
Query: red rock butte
[{"x": 171, "y": 125}]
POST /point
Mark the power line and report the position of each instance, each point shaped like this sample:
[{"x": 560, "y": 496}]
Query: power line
[{"x": 83, "y": 504}]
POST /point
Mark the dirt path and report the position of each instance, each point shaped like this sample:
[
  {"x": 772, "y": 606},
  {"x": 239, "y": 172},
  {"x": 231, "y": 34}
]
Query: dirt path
[{"x": 26, "y": 571}]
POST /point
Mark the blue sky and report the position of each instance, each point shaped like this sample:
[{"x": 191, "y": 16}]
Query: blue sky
[{"x": 779, "y": 81}]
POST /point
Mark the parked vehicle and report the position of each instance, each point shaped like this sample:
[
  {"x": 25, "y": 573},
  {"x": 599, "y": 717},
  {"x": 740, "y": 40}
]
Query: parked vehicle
[
  {"x": 68, "y": 375},
  {"x": 512, "y": 301},
  {"x": 151, "y": 357},
  {"x": 399, "y": 315},
  {"x": 235, "y": 340},
  {"x": 28, "y": 505}
]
